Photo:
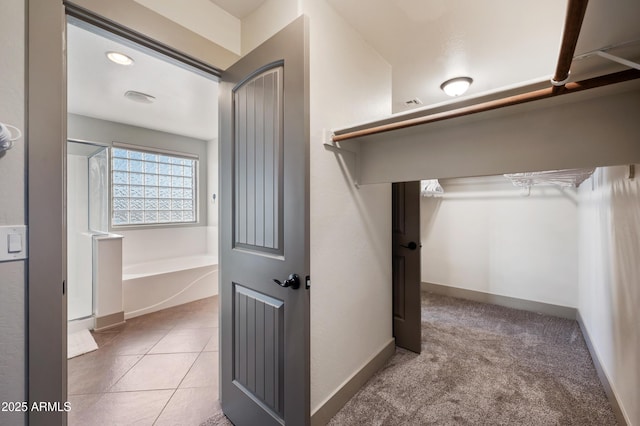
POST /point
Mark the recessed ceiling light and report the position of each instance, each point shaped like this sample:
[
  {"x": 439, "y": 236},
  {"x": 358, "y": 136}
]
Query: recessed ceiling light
[
  {"x": 139, "y": 97},
  {"x": 456, "y": 86},
  {"x": 119, "y": 58}
]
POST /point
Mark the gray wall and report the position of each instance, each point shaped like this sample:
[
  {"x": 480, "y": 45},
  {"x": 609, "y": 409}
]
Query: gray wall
[
  {"x": 12, "y": 208},
  {"x": 106, "y": 132}
]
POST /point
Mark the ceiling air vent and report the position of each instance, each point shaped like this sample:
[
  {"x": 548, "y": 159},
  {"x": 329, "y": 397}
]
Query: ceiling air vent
[{"x": 413, "y": 102}]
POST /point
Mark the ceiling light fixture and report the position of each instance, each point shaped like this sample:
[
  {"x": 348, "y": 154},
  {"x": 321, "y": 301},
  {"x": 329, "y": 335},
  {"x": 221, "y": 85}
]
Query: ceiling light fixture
[
  {"x": 139, "y": 97},
  {"x": 120, "y": 58},
  {"x": 456, "y": 86}
]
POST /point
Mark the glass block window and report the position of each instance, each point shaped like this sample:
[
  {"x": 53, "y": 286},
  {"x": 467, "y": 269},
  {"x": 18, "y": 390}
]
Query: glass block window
[{"x": 152, "y": 188}]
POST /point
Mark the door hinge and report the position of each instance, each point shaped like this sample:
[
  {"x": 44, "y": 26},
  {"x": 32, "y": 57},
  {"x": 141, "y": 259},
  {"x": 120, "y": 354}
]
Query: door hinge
[
  {"x": 64, "y": 287},
  {"x": 307, "y": 282}
]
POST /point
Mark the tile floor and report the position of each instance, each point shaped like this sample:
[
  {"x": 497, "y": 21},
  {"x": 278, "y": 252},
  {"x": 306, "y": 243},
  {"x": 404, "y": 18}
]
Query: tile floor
[{"x": 157, "y": 369}]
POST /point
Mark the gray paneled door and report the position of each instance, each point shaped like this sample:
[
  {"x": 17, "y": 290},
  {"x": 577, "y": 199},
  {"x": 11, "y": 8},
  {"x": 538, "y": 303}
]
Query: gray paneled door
[
  {"x": 264, "y": 233},
  {"x": 407, "y": 326}
]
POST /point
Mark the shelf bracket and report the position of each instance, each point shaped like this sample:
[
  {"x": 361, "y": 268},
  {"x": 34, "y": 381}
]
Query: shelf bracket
[
  {"x": 330, "y": 145},
  {"x": 618, "y": 59}
]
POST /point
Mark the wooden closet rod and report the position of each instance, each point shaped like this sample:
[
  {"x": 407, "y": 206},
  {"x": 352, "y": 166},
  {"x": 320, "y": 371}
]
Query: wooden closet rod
[
  {"x": 572, "y": 25},
  {"x": 575, "y": 15}
]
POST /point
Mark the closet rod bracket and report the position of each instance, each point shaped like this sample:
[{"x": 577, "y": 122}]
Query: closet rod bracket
[{"x": 330, "y": 145}]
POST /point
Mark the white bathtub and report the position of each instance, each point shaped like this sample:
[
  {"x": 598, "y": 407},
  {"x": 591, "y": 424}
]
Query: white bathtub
[{"x": 151, "y": 286}]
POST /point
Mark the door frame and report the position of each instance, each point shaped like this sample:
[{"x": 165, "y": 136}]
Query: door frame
[
  {"x": 46, "y": 374},
  {"x": 407, "y": 330},
  {"x": 46, "y": 135}
]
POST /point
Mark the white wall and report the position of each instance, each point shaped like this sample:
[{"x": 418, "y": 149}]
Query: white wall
[
  {"x": 203, "y": 17},
  {"x": 482, "y": 235},
  {"x": 350, "y": 227},
  {"x": 266, "y": 20},
  {"x": 609, "y": 297},
  {"x": 12, "y": 209},
  {"x": 148, "y": 245}
]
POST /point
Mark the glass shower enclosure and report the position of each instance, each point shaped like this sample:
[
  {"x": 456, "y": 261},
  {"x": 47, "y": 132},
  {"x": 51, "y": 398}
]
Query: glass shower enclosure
[{"x": 87, "y": 216}]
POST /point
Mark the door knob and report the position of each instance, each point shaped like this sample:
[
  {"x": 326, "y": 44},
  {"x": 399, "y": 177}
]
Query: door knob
[
  {"x": 411, "y": 246},
  {"x": 292, "y": 281}
]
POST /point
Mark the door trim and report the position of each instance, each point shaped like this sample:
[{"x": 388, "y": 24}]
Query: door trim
[
  {"x": 46, "y": 148},
  {"x": 82, "y": 15},
  {"x": 158, "y": 29},
  {"x": 46, "y": 135}
]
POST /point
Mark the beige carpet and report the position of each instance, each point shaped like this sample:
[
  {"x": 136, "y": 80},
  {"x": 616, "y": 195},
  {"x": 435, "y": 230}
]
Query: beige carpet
[
  {"x": 218, "y": 419},
  {"x": 482, "y": 365},
  {"x": 485, "y": 365}
]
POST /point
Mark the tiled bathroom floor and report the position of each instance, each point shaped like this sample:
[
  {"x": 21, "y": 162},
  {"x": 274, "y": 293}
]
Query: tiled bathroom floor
[{"x": 157, "y": 369}]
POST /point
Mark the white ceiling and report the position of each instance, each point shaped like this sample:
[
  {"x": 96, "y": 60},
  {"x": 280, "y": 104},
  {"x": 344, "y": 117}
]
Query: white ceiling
[
  {"x": 430, "y": 41},
  {"x": 499, "y": 43},
  {"x": 239, "y": 8},
  {"x": 186, "y": 102}
]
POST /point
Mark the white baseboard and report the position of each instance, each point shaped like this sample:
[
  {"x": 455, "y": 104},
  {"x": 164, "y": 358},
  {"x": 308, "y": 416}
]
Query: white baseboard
[
  {"x": 109, "y": 321},
  {"x": 509, "y": 302},
  {"x": 80, "y": 324},
  {"x": 621, "y": 416},
  {"x": 351, "y": 386}
]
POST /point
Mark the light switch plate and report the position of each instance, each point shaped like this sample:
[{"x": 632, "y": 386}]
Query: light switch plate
[{"x": 13, "y": 243}]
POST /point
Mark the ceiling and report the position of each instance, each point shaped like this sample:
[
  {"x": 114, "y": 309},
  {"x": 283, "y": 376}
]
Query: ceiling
[
  {"x": 186, "y": 102},
  {"x": 501, "y": 44},
  {"x": 498, "y": 43},
  {"x": 239, "y": 8}
]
